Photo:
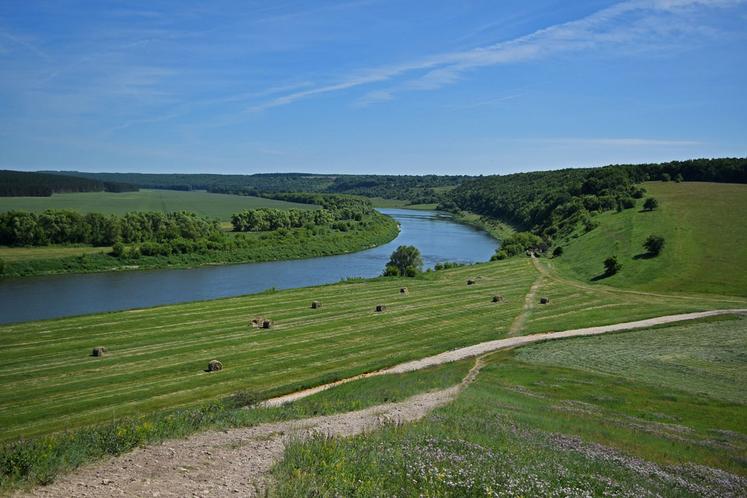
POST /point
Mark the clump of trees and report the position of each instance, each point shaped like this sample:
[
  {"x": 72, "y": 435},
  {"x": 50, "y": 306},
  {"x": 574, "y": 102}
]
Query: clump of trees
[
  {"x": 518, "y": 243},
  {"x": 405, "y": 261},
  {"x": 611, "y": 266},
  {"x": 654, "y": 244},
  {"x": 336, "y": 210},
  {"x": 650, "y": 204},
  {"x": 20, "y": 228}
]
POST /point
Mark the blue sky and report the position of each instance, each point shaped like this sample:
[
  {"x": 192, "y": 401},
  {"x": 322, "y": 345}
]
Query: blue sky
[{"x": 377, "y": 86}]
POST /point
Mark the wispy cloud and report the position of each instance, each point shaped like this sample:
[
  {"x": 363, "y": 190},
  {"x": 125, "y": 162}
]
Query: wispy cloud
[{"x": 625, "y": 24}]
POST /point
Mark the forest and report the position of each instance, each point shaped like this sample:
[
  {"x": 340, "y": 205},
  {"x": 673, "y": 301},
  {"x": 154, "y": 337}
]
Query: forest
[{"x": 28, "y": 184}]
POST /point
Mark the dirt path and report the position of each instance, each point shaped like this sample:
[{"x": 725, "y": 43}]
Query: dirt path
[
  {"x": 237, "y": 462},
  {"x": 518, "y": 324},
  {"x": 231, "y": 463}
]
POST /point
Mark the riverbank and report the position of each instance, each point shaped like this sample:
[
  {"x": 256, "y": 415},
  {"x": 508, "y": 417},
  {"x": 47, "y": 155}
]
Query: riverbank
[
  {"x": 496, "y": 228},
  {"x": 285, "y": 244}
]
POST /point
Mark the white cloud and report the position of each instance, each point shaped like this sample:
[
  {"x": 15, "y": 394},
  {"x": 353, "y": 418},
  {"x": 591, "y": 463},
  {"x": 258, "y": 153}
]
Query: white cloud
[{"x": 621, "y": 25}]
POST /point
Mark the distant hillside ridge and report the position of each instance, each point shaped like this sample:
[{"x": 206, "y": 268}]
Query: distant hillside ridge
[{"x": 31, "y": 184}]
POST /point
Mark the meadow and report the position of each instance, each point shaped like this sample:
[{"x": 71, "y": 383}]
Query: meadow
[
  {"x": 705, "y": 241},
  {"x": 219, "y": 206},
  {"x": 557, "y": 419},
  {"x": 158, "y": 356}
]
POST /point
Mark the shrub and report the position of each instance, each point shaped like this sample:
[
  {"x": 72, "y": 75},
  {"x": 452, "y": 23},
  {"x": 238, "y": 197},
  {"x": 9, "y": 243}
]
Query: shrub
[
  {"x": 611, "y": 266},
  {"x": 654, "y": 244},
  {"x": 558, "y": 251},
  {"x": 118, "y": 250},
  {"x": 650, "y": 204}
]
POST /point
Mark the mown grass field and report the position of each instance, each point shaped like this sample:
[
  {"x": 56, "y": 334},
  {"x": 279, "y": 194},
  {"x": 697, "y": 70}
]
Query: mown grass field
[
  {"x": 557, "y": 419},
  {"x": 220, "y": 206},
  {"x": 158, "y": 355},
  {"x": 705, "y": 241}
]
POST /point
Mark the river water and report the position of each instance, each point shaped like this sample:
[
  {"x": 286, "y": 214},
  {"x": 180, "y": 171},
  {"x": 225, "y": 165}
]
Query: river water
[{"x": 438, "y": 237}]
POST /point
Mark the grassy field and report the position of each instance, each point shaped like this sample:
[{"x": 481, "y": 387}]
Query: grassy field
[
  {"x": 158, "y": 355},
  {"x": 705, "y": 239},
  {"x": 380, "y": 202},
  {"x": 220, "y": 206},
  {"x": 18, "y": 254},
  {"x": 556, "y": 419}
]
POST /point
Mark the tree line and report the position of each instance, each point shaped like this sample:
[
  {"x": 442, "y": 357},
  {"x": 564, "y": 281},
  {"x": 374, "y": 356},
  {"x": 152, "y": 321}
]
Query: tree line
[
  {"x": 336, "y": 210},
  {"x": 20, "y": 228},
  {"x": 29, "y": 184}
]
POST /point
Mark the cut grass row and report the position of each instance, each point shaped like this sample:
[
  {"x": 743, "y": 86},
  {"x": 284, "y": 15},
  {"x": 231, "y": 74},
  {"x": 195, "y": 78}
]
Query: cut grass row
[{"x": 556, "y": 419}]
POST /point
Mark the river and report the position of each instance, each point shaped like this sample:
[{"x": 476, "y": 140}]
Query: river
[{"x": 438, "y": 237}]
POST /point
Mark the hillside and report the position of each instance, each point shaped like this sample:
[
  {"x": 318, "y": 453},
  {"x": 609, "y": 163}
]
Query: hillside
[{"x": 705, "y": 241}]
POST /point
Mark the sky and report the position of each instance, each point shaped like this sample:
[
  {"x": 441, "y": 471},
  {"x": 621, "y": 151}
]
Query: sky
[{"x": 369, "y": 86}]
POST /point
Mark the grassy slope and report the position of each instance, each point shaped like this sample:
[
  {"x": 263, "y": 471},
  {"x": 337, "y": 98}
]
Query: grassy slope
[
  {"x": 528, "y": 427},
  {"x": 220, "y": 206},
  {"x": 705, "y": 249},
  {"x": 12, "y": 254}
]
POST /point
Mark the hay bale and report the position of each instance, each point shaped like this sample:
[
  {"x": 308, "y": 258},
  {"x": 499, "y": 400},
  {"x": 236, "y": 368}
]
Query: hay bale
[
  {"x": 98, "y": 351},
  {"x": 471, "y": 281},
  {"x": 267, "y": 324},
  {"x": 404, "y": 290},
  {"x": 214, "y": 366},
  {"x": 498, "y": 298},
  {"x": 256, "y": 322},
  {"x": 544, "y": 300},
  {"x": 380, "y": 308},
  {"x": 315, "y": 305}
]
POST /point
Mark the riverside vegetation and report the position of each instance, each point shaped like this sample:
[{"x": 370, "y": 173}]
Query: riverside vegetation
[{"x": 184, "y": 239}]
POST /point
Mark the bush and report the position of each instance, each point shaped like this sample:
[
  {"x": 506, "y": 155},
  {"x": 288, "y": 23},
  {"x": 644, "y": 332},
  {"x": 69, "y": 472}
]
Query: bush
[
  {"x": 558, "y": 251},
  {"x": 118, "y": 250},
  {"x": 611, "y": 266},
  {"x": 650, "y": 204},
  {"x": 654, "y": 244}
]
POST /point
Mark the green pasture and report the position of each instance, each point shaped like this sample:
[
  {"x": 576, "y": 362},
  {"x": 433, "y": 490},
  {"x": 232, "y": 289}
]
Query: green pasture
[{"x": 220, "y": 206}]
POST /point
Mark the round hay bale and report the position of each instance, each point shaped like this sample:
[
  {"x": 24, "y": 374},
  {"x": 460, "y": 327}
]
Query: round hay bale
[
  {"x": 498, "y": 298},
  {"x": 544, "y": 300},
  {"x": 214, "y": 366},
  {"x": 267, "y": 324},
  {"x": 315, "y": 305},
  {"x": 471, "y": 281},
  {"x": 98, "y": 351},
  {"x": 404, "y": 290},
  {"x": 380, "y": 308}
]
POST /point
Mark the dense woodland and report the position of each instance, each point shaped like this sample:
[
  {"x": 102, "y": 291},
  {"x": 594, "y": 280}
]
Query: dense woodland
[
  {"x": 415, "y": 189},
  {"x": 27, "y": 184},
  {"x": 553, "y": 203}
]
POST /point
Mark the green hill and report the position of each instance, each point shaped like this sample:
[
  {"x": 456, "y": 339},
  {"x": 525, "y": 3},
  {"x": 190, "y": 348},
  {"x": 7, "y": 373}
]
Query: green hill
[{"x": 705, "y": 242}]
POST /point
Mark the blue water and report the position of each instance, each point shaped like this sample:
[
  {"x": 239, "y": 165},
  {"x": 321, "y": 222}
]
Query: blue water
[{"x": 437, "y": 236}]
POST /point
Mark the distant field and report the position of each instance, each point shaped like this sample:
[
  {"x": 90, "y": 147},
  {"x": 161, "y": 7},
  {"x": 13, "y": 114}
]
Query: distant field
[
  {"x": 220, "y": 206},
  {"x": 11, "y": 254},
  {"x": 705, "y": 234},
  {"x": 645, "y": 413},
  {"x": 380, "y": 202}
]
